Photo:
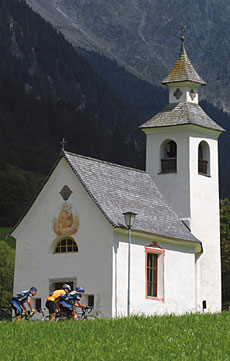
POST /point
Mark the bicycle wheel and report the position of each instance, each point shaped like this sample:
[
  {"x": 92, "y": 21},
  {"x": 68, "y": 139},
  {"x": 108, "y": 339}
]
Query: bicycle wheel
[
  {"x": 90, "y": 317},
  {"x": 40, "y": 319}
]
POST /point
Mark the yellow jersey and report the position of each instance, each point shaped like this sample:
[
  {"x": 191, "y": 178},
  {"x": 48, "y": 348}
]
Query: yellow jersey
[{"x": 55, "y": 295}]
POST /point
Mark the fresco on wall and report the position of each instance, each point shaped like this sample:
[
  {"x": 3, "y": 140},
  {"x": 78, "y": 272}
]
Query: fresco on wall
[{"x": 67, "y": 221}]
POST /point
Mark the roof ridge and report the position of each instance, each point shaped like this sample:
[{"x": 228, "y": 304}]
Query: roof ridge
[{"x": 105, "y": 162}]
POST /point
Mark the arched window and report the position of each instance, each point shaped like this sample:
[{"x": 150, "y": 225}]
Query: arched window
[
  {"x": 66, "y": 245},
  {"x": 168, "y": 157},
  {"x": 203, "y": 158}
]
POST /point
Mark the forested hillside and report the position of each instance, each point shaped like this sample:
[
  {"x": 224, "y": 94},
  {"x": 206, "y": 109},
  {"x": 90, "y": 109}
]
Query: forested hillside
[
  {"x": 49, "y": 91},
  {"x": 32, "y": 51}
]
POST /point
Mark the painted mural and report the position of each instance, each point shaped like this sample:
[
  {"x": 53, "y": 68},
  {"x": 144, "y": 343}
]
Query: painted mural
[{"x": 67, "y": 221}]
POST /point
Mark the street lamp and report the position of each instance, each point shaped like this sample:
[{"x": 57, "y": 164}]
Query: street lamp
[{"x": 129, "y": 221}]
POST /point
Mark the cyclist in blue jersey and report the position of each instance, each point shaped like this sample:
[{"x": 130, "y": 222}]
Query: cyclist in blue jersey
[
  {"x": 18, "y": 301},
  {"x": 69, "y": 301}
]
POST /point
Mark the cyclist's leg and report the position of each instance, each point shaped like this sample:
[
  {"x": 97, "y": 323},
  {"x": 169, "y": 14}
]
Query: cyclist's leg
[
  {"x": 74, "y": 315},
  {"x": 52, "y": 309},
  {"x": 68, "y": 309},
  {"x": 17, "y": 309}
]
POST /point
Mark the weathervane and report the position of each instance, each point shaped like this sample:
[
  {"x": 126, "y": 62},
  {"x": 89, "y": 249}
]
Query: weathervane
[
  {"x": 63, "y": 142},
  {"x": 182, "y": 28}
]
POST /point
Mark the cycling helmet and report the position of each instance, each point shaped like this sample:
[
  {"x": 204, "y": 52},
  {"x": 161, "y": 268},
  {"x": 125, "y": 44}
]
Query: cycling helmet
[
  {"x": 66, "y": 287},
  {"x": 33, "y": 289},
  {"x": 80, "y": 289}
]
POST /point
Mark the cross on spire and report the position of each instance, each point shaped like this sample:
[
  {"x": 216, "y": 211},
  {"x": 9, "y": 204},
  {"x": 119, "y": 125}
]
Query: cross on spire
[
  {"x": 63, "y": 142},
  {"x": 182, "y": 28}
]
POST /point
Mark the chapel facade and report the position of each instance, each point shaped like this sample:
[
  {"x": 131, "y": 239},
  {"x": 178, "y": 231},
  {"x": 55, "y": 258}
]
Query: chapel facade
[{"x": 74, "y": 232}]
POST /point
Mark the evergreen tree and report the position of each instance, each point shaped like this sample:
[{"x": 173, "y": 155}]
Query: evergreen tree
[
  {"x": 225, "y": 251},
  {"x": 7, "y": 256}
]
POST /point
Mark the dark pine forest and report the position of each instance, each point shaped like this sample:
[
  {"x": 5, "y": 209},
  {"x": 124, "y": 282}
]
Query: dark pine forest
[{"x": 49, "y": 90}]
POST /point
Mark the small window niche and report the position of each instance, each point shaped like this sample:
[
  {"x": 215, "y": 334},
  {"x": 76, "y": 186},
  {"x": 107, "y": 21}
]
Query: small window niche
[
  {"x": 88, "y": 300},
  {"x": 204, "y": 159},
  {"x": 168, "y": 152},
  {"x": 38, "y": 303}
]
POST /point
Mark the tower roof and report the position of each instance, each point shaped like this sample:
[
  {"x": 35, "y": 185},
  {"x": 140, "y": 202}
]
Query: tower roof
[
  {"x": 183, "y": 70},
  {"x": 181, "y": 114}
]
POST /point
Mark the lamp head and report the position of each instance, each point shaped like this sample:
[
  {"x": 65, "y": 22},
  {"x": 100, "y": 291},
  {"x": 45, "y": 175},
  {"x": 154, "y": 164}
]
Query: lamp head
[{"x": 129, "y": 218}]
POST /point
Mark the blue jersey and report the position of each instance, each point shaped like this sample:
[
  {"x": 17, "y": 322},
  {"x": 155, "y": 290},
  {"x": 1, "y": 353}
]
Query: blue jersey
[
  {"x": 70, "y": 298},
  {"x": 22, "y": 297}
]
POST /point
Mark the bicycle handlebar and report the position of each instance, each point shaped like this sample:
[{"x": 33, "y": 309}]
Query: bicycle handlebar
[{"x": 87, "y": 310}]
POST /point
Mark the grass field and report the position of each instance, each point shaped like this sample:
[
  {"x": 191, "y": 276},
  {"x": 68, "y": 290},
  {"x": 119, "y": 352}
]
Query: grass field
[{"x": 166, "y": 338}]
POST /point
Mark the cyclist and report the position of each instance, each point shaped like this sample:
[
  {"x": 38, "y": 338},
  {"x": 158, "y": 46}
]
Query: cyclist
[
  {"x": 18, "y": 301},
  {"x": 54, "y": 297},
  {"x": 69, "y": 301}
]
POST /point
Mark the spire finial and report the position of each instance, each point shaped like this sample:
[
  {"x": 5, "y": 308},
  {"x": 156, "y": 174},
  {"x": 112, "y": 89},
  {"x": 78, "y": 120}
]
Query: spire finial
[
  {"x": 63, "y": 142},
  {"x": 182, "y": 28}
]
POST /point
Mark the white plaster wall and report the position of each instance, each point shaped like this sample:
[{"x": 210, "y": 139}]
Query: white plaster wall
[
  {"x": 193, "y": 196},
  {"x": 185, "y": 89},
  {"x": 205, "y": 222},
  {"x": 179, "y": 278},
  {"x": 35, "y": 262},
  {"x": 175, "y": 187}
]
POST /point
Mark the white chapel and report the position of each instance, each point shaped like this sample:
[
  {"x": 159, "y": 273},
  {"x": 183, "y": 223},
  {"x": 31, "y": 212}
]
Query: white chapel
[{"x": 75, "y": 232}]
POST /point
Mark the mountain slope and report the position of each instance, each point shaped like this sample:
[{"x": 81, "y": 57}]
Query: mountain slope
[
  {"x": 142, "y": 35},
  {"x": 31, "y": 50},
  {"x": 48, "y": 91}
]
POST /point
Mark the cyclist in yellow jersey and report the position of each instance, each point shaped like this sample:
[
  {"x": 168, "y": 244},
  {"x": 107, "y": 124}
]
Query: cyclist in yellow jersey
[{"x": 53, "y": 298}]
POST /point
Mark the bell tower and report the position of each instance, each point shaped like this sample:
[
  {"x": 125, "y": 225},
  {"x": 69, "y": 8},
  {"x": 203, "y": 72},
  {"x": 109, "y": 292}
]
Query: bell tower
[{"x": 182, "y": 159}]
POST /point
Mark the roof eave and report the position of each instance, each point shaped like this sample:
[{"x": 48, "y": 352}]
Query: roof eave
[
  {"x": 166, "y": 82},
  {"x": 197, "y": 244},
  {"x": 177, "y": 125}
]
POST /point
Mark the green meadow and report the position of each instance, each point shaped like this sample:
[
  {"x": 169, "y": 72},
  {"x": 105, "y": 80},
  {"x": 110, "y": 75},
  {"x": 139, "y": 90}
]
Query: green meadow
[{"x": 178, "y": 338}]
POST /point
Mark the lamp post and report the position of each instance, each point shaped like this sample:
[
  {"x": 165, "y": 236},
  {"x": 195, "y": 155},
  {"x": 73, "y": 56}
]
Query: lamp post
[{"x": 129, "y": 221}]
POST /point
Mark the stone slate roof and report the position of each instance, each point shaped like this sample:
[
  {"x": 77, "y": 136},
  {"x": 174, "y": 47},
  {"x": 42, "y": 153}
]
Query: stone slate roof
[
  {"x": 183, "y": 70},
  {"x": 179, "y": 114},
  {"x": 116, "y": 189}
]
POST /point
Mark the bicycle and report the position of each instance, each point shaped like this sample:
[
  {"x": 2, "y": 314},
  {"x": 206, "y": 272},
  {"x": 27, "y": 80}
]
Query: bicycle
[
  {"x": 40, "y": 315},
  {"x": 84, "y": 314},
  {"x": 6, "y": 315},
  {"x": 29, "y": 316}
]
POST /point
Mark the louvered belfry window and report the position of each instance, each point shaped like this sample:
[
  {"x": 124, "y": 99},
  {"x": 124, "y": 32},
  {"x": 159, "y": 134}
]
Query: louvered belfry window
[
  {"x": 169, "y": 160},
  {"x": 203, "y": 152}
]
